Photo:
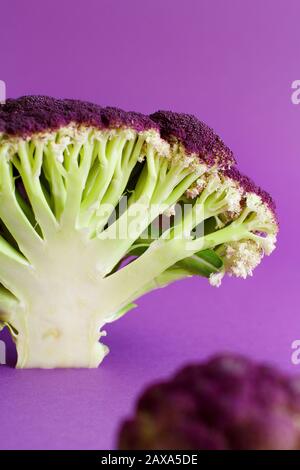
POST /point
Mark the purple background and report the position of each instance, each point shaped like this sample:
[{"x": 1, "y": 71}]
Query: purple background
[{"x": 232, "y": 64}]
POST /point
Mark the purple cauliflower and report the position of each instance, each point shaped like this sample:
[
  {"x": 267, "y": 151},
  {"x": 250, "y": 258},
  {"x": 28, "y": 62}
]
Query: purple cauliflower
[
  {"x": 85, "y": 192},
  {"x": 228, "y": 402}
]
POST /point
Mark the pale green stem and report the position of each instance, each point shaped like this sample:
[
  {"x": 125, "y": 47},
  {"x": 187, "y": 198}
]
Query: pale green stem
[
  {"x": 118, "y": 183},
  {"x": 75, "y": 182},
  {"x": 13, "y": 216},
  {"x": 108, "y": 159},
  {"x": 163, "y": 280},
  {"x": 126, "y": 285},
  {"x": 16, "y": 274},
  {"x": 9, "y": 306},
  {"x": 115, "y": 241},
  {"x": 55, "y": 173},
  {"x": 30, "y": 177}
]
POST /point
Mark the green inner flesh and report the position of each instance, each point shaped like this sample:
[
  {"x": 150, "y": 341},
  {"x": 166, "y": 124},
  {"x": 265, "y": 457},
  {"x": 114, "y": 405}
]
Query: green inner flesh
[{"x": 63, "y": 268}]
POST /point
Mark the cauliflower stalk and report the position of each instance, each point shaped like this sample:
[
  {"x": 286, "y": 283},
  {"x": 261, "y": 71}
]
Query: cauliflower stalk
[{"x": 81, "y": 188}]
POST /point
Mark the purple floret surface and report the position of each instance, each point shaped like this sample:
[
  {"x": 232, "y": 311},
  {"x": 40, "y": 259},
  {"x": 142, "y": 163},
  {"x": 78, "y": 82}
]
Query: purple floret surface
[
  {"x": 249, "y": 186},
  {"x": 32, "y": 114},
  {"x": 29, "y": 115},
  {"x": 195, "y": 136}
]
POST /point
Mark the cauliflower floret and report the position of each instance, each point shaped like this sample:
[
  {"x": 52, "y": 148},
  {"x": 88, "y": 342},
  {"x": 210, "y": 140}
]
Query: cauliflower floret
[{"x": 241, "y": 258}]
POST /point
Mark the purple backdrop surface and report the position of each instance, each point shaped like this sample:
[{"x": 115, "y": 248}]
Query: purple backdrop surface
[{"x": 232, "y": 64}]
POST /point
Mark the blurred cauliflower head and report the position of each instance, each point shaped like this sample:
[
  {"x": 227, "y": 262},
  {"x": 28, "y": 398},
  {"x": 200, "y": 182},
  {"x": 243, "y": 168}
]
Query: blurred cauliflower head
[{"x": 228, "y": 402}]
